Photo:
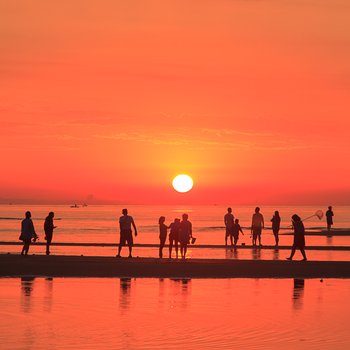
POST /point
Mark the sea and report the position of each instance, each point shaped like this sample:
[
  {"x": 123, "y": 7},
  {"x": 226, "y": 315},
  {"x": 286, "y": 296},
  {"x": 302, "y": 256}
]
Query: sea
[
  {"x": 163, "y": 313},
  {"x": 98, "y": 225}
]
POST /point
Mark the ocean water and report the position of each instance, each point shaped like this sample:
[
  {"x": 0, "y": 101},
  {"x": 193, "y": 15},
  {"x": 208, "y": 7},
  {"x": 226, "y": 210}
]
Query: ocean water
[
  {"x": 113, "y": 313},
  {"x": 99, "y": 224}
]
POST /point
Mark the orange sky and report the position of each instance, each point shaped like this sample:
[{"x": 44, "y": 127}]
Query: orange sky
[{"x": 114, "y": 98}]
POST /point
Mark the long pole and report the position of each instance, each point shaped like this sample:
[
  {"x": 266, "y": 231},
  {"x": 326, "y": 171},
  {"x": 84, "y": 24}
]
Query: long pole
[{"x": 309, "y": 217}]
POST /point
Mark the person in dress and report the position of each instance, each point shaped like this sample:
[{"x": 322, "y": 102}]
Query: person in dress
[
  {"x": 27, "y": 233},
  {"x": 185, "y": 234},
  {"x": 299, "y": 237},
  {"x": 276, "y": 222},
  {"x": 174, "y": 237}
]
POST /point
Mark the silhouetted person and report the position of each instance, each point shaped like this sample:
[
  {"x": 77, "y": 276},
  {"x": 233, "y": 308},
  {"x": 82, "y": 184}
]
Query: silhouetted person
[
  {"x": 257, "y": 226},
  {"x": 125, "y": 222},
  {"x": 229, "y": 221},
  {"x": 276, "y": 223},
  {"x": 185, "y": 233},
  {"x": 174, "y": 237},
  {"x": 162, "y": 235},
  {"x": 48, "y": 228},
  {"x": 329, "y": 217},
  {"x": 299, "y": 237},
  {"x": 27, "y": 233},
  {"x": 236, "y": 230}
]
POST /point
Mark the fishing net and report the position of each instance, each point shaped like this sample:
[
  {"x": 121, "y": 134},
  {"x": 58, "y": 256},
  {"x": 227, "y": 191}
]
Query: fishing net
[{"x": 319, "y": 214}]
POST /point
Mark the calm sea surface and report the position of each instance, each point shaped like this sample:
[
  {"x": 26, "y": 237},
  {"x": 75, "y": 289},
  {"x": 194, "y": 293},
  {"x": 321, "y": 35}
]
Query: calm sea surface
[
  {"x": 109, "y": 313},
  {"x": 99, "y": 224}
]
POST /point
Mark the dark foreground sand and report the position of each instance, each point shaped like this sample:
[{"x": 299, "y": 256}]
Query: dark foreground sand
[{"x": 78, "y": 266}]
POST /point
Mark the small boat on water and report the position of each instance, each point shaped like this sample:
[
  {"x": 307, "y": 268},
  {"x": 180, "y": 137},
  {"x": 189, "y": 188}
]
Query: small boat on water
[{"x": 74, "y": 206}]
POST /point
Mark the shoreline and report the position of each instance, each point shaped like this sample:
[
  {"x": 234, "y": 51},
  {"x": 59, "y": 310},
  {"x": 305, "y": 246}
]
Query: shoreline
[
  {"x": 191, "y": 246},
  {"x": 77, "y": 266}
]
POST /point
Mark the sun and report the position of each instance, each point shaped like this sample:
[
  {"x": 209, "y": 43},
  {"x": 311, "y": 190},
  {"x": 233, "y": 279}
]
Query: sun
[{"x": 182, "y": 183}]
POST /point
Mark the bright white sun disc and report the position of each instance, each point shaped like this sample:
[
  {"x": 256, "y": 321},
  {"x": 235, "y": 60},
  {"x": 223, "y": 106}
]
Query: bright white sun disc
[{"x": 182, "y": 183}]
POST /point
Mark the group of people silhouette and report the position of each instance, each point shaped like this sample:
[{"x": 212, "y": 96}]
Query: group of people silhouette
[
  {"x": 28, "y": 234},
  {"x": 233, "y": 227},
  {"x": 180, "y": 232}
]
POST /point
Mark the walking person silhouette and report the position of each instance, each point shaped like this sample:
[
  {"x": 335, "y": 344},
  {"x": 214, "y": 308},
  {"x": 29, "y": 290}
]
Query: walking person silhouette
[
  {"x": 299, "y": 237},
  {"x": 27, "y": 233}
]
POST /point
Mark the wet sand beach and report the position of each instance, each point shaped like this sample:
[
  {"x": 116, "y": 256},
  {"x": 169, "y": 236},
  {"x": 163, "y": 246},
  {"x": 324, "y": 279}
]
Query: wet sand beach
[{"x": 80, "y": 266}]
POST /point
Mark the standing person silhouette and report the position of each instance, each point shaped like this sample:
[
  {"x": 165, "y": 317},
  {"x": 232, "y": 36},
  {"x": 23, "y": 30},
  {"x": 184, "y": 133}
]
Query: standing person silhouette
[
  {"x": 185, "y": 233},
  {"x": 162, "y": 234},
  {"x": 236, "y": 230},
  {"x": 125, "y": 222},
  {"x": 27, "y": 233},
  {"x": 276, "y": 222},
  {"x": 257, "y": 226},
  {"x": 299, "y": 237},
  {"x": 329, "y": 217},
  {"x": 229, "y": 222},
  {"x": 48, "y": 228},
  {"x": 174, "y": 237}
]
